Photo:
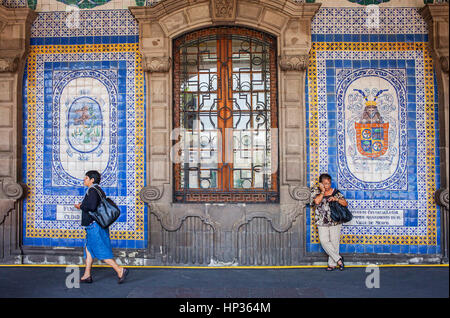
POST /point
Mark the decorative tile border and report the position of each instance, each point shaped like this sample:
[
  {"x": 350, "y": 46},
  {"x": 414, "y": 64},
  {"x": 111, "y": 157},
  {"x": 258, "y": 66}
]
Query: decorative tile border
[
  {"x": 91, "y": 24},
  {"x": 63, "y": 5},
  {"x": 423, "y": 206},
  {"x": 343, "y": 38},
  {"x": 15, "y": 3},
  {"x": 393, "y": 21},
  {"x": 130, "y": 227}
]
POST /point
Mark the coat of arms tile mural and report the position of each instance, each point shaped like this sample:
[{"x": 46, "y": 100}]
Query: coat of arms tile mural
[{"x": 372, "y": 114}]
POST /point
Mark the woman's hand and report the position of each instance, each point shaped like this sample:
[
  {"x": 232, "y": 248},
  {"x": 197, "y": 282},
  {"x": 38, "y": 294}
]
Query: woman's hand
[
  {"x": 321, "y": 188},
  {"x": 342, "y": 201},
  {"x": 78, "y": 206}
]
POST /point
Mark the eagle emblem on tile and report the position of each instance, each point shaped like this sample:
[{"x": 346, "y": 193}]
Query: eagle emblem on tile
[{"x": 372, "y": 133}]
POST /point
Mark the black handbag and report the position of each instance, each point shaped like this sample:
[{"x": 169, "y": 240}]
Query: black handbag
[
  {"x": 339, "y": 213},
  {"x": 106, "y": 213}
]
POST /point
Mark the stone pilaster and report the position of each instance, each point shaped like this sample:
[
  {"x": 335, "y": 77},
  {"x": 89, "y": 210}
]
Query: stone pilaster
[
  {"x": 15, "y": 26},
  {"x": 436, "y": 16}
]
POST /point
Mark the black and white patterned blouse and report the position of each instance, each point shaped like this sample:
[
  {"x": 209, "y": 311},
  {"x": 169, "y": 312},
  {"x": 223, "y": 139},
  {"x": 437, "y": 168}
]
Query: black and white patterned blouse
[{"x": 322, "y": 215}]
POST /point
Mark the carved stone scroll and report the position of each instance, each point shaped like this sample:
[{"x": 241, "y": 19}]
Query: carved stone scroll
[
  {"x": 293, "y": 62},
  {"x": 8, "y": 64},
  {"x": 441, "y": 197},
  {"x": 300, "y": 193},
  {"x": 150, "y": 193},
  {"x": 156, "y": 64},
  {"x": 10, "y": 190},
  {"x": 223, "y": 10}
]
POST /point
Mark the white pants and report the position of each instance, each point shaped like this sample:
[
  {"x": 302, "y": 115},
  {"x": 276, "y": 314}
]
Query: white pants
[{"x": 329, "y": 237}]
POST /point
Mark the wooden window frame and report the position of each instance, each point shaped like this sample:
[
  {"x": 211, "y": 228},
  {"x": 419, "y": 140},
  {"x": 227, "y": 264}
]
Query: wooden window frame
[{"x": 225, "y": 191}]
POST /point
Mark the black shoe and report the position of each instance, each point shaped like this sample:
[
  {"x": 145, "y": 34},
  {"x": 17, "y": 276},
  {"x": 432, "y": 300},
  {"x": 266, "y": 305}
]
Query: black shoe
[
  {"x": 86, "y": 280},
  {"x": 124, "y": 275},
  {"x": 342, "y": 266},
  {"x": 329, "y": 269}
]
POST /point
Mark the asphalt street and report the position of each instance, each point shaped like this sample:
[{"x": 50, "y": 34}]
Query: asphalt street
[{"x": 353, "y": 282}]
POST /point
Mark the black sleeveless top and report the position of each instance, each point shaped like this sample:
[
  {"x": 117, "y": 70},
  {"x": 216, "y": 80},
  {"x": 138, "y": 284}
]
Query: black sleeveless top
[{"x": 90, "y": 203}]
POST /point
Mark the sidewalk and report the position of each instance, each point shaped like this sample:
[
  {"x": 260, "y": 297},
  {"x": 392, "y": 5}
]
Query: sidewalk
[{"x": 50, "y": 282}]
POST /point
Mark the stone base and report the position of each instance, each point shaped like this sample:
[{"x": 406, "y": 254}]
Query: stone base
[{"x": 39, "y": 256}]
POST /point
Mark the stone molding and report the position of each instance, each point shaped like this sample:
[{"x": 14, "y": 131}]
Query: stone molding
[
  {"x": 444, "y": 63},
  {"x": 441, "y": 197},
  {"x": 151, "y": 193},
  {"x": 10, "y": 190},
  {"x": 15, "y": 25},
  {"x": 236, "y": 215},
  {"x": 294, "y": 62},
  {"x": 156, "y": 64},
  {"x": 301, "y": 194},
  {"x": 436, "y": 16},
  {"x": 8, "y": 64},
  {"x": 220, "y": 229},
  {"x": 172, "y": 216},
  {"x": 223, "y": 10}
]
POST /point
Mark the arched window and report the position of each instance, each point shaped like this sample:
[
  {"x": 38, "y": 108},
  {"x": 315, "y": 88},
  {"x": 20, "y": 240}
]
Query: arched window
[{"x": 225, "y": 113}]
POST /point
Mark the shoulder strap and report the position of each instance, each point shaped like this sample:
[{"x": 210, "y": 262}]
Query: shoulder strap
[
  {"x": 98, "y": 191},
  {"x": 335, "y": 191}
]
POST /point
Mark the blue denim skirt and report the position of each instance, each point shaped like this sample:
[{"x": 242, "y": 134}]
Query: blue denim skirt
[{"x": 98, "y": 242}]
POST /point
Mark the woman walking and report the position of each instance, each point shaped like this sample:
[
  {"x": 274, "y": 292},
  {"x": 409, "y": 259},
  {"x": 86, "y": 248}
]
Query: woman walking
[
  {"x": 98, "y": 243},
  {"x": 329, "y": 230}
]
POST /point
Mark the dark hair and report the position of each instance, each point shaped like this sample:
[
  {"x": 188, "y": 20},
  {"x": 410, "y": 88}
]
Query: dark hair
[
  {"x": 94, "y": 174},
  {"x": 324, "y": 176}
]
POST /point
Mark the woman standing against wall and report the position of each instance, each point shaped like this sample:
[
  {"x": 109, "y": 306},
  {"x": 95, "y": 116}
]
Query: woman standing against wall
[{"x": 329, "y": 230}]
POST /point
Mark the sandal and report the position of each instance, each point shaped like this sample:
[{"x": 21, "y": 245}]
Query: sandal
[
  {"x": 87, "y": 280},
  {"x": 124, "y": 274},
  {"x": 329, "y": 269},
  {"x": 342, "y": 266}
]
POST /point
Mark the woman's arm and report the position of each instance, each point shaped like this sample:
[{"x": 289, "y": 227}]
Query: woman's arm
[
  {"x": 342, "y": 202},
  {"x": 317, "y": 193},
  {"x": 318, "y": 198},
  {"x": 339, "y": 198}
]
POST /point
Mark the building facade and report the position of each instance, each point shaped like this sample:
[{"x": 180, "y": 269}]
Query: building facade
[{"x": 211, "y": 120}]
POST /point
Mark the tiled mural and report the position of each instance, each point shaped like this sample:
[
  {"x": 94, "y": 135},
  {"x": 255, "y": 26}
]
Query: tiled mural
[
  {"x": 83, "y": 109},
  {"x": 372, "y": 114}
]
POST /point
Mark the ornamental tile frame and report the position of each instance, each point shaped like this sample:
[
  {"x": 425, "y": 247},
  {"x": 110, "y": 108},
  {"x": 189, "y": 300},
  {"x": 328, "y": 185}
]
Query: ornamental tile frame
[
  {"x": 358, "y": 50},
  {"x": 53, "y": 62}
]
